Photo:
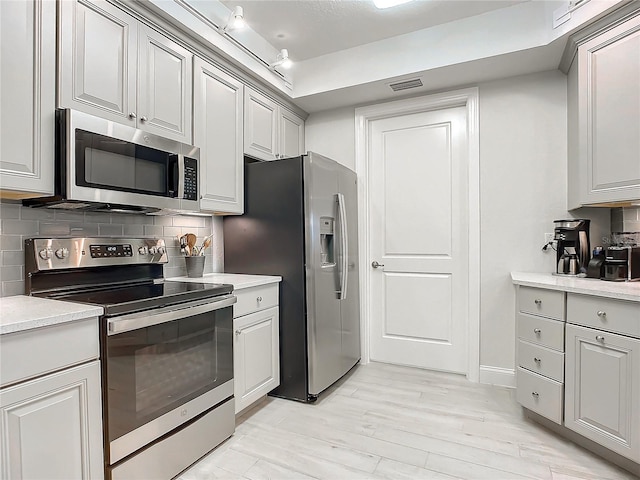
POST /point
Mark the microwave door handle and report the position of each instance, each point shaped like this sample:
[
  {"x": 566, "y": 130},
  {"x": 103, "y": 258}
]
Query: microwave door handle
[
  {"x": 181, "y": 176},
  {"x": 136, "y": 321}
]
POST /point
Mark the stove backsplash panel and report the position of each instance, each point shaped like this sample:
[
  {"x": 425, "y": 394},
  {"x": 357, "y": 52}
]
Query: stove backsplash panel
[{"x": 18, "y": 222}]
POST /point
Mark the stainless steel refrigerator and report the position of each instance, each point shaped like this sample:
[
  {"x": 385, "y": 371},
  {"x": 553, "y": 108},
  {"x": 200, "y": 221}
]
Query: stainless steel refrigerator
[{"x": 301, "y": 222}]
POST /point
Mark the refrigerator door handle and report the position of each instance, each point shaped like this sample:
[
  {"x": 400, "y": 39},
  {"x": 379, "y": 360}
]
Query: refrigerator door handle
[{"x": 344, "y": 241}]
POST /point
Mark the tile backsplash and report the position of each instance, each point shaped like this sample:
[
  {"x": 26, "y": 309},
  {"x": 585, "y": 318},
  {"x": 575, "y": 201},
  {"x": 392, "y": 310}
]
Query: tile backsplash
[
  {"x": 625, "y": 219},
  {"x": 18, "y": 222}
]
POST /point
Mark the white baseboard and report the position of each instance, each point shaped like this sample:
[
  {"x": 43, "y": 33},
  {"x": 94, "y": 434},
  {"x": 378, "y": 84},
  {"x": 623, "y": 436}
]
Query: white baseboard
[{"x": 505, "y": 377}]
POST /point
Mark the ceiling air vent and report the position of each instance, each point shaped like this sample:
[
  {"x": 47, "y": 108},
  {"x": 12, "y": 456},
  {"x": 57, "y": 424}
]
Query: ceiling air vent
[{"x": 413, "y": 83}]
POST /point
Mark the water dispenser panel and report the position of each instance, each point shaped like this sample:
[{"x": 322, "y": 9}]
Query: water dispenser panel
[{"x": 327, "y": 255}]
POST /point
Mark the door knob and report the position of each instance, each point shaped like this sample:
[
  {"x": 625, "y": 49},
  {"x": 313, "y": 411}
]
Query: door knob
[{"x": 375, "y": 264}]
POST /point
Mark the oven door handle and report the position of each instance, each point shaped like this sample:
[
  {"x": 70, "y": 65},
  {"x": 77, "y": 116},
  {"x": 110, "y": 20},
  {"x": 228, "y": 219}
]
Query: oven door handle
[{"x": 135, "y": 321}]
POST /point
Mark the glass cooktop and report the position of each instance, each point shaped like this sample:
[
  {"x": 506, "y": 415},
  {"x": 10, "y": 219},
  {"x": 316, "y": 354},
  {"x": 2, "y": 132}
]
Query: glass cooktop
[{"x": 126, "y": 299}]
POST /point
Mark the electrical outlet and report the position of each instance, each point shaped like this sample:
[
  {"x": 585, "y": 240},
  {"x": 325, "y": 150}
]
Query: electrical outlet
[{"x": 548, "y": 237}]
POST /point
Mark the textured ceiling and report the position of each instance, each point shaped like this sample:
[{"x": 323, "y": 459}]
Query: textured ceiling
[{"x": 310, "y": 28}]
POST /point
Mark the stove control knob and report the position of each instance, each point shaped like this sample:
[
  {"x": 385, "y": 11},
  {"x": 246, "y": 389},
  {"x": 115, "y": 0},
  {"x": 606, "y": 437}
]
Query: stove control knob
[
  {"x": 62, "y": 253},
  {"x": 161, "y": 250},
  {"x": 153, "y": 250},
  {"x": 45, "y": 253},
  {"x": 143, "y": 250}
]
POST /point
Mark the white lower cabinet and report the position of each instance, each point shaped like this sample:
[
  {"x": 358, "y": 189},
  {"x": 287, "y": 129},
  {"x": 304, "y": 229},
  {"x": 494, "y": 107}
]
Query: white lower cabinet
[
  {"x": 540, "y": 351},
  {"x": 52, "y": 426},
  {"x": 256, "y": 353},
  {"x": 603, "y": 388}
]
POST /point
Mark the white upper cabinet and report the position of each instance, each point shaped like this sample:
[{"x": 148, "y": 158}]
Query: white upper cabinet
[
  {"x": 261, "y": 126},
  {"x": 218, "y": 122},
  {"x": 116, "y": 68},
  {"x": 98, "y": 60},
  {"x": 604, "y": 117},
  {"x": 164, "y": 86},
  {"x": 27, "y": 96},
  {"x": 291, "y": 134},
  {"x": 270, "y": 131}
]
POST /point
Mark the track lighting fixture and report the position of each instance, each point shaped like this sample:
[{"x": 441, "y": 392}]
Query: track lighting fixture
[
  {"x": 282, "y": 60},
  {"x": 235, "y": 22}
]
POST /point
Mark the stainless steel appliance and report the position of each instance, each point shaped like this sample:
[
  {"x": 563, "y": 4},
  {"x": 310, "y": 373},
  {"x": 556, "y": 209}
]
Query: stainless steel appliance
[
  {"x": 104, "y": 166},
  {"x": 622, "y": 263},
  {"x": 300, "y": 222},
  {"x": 573, "y": 249},
  {"x": 166, "y": 349}
]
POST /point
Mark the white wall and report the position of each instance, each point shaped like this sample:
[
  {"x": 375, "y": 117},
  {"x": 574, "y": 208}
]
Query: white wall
[
  {"x": 332, "y": 134},
  {"x": 523, "y": 188}
]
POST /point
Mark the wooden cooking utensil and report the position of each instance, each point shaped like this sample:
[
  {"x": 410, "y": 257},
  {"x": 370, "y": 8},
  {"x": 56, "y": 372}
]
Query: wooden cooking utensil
[
  {"x": 191, "y": 242},
  {"x": 205, "y": 244}
]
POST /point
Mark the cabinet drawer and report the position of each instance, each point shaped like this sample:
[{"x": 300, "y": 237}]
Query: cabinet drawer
[
  {"x": 608, "y": 314},
  {"x": 539, "y": 394},
  {"x": 544, "y": 361},
  {"x": 42, "y": 350},
  {"x": 541, "y": 331},
  {"x": 538, "y": 301},
  {"x": 255, "y": 298}
]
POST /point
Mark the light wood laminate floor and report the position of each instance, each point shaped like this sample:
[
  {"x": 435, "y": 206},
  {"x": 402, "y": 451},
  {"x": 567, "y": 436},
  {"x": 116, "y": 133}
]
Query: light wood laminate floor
[{"x": 385, "y": 421}]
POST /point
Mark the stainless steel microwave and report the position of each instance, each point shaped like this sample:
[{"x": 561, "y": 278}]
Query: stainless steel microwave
[{"x": 105, "y": 166}]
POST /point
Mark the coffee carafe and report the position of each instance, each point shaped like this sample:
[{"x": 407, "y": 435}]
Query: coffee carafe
[{"x": 572, "y": 246}]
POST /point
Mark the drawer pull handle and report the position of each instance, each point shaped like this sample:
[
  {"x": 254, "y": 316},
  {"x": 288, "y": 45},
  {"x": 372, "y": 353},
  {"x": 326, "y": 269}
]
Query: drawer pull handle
[
  {"x": 537, "y": 331},
  {"x": 601, "y": 313},
  {"x": 259, "y": 299},
  {"x": 537, "y": 301},
  {"x": 600, "y": 338},
  {"x": 535, "y": 394},
  {"x": 537, "y": 360}
]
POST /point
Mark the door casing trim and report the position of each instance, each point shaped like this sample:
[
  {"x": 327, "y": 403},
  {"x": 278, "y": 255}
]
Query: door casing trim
[{"x": 469, "y": 98}]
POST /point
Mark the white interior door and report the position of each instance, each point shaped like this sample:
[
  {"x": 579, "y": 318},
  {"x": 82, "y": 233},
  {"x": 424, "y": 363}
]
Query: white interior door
[{"x": 418, "y": 167}]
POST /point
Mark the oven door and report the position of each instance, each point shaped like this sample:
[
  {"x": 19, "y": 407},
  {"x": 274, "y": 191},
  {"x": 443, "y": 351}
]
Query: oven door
[{"x": 164, "y": 367}]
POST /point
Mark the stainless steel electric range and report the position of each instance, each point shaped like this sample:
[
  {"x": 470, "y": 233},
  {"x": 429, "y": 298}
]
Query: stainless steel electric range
[{"x": 166, "y": 349}]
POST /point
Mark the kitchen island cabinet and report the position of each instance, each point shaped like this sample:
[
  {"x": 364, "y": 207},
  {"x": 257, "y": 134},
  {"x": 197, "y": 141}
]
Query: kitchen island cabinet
[
  {"x": 117, "y": 68},
  {"x": 270, "y": 131},
  {"x": 50, "y": 396},
  {"x": 604, "y": 114},
  {"x": 27, "y": 97},
  {"x": 218, "y": 123},
  {"x": 256, "y": 348}
]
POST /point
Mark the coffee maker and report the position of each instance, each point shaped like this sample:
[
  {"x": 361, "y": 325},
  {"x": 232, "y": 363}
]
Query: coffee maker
[{"x": 572, "y": 246}]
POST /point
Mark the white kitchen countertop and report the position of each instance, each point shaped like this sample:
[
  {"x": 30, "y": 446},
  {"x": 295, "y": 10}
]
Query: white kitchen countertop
[
  {"x": 238, "y": 280},
  {"x": 22, "y": 312},
  {"x": 588, "y": 286}
]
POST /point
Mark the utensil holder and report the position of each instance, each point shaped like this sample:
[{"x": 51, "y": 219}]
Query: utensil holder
[{"x": 195, "y": 265}]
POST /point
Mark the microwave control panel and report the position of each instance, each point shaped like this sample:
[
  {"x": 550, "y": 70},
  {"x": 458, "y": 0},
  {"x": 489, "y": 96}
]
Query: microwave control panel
[{"x": 190, "y": 178}]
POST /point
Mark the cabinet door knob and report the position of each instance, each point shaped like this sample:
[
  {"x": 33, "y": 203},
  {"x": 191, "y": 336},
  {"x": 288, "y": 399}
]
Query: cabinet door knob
[
  {"x": 259, "y": 299},
  {"x": 143, "y": 119},
  {"x": 537, "y": 331},
  {"x": 238, "y": 332},
  {"x": 537, "y": 360},
  {"x": 600, "y": 338},
  {"x": 132, "y": 115},
  {"x": 535, "y": 394},
  {"x": 537, "y": 301},
  {"x": 601, "y": 313}
]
